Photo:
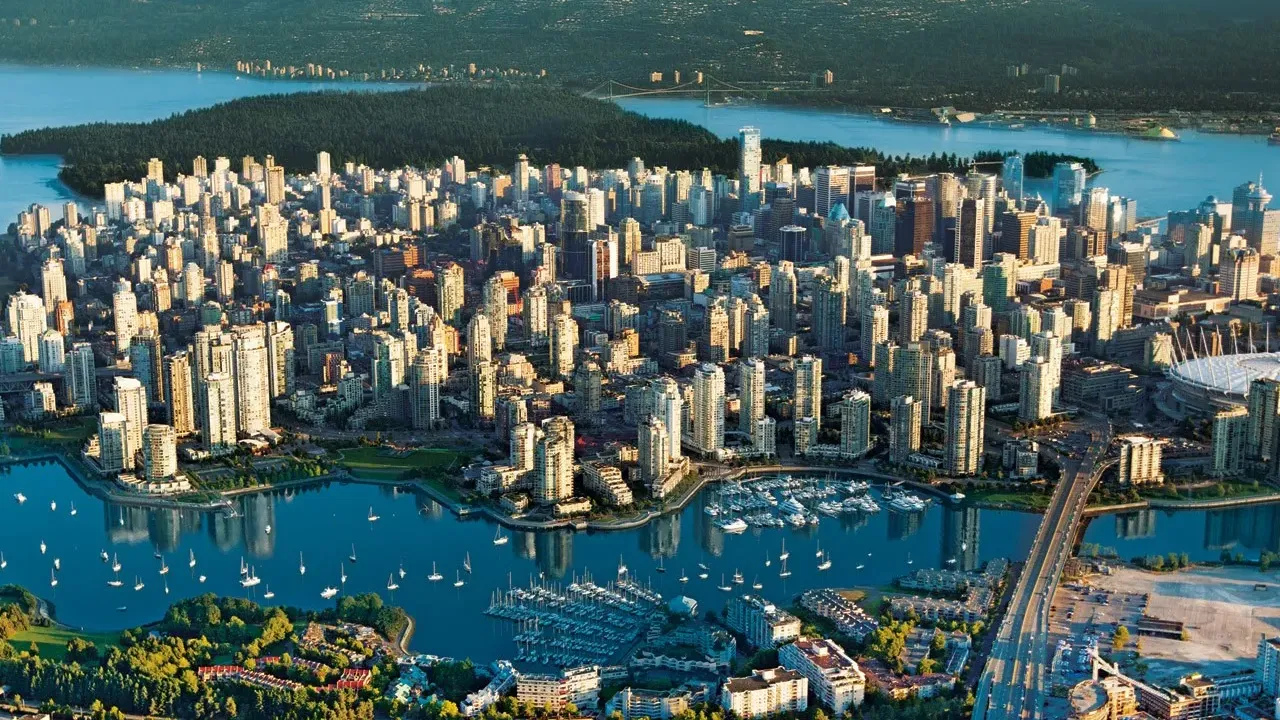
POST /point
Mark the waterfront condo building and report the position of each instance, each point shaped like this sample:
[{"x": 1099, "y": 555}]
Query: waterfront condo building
[
  {"x": 1140, "y": 460},
  {"x": 765, "y": 693},
  {"x": 762, "y": 623},
  {"x": 834, "y": 677},
  {"x": 554, "y": 690}
]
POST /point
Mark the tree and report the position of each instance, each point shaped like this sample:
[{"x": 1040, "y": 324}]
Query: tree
[
  {"x": 1121, "y": 638},
  {"x": 230, "y": 707},
  {"x": 927, "y": 666},
  {"x": 939, "y": 643}
]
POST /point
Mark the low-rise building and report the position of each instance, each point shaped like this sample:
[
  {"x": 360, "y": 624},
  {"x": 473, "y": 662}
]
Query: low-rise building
[
  {"x": 848, "y": 618},
  {"x": 833, "y": 676},
  {"x": 580, "y": 686},
  {"x": 765, "y": 693}
]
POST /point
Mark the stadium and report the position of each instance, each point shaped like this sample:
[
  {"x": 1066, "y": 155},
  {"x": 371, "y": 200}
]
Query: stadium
[{"x": 1206, "y": 384}]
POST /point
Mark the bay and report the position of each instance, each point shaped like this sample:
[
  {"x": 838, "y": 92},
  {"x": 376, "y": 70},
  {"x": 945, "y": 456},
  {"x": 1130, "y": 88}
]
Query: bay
[{"x": 323, "y": 522}]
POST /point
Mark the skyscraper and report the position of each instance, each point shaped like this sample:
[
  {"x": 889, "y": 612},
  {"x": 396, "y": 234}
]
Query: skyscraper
[
  {"x": 668, "y": 406},
  {"x": 28, "y": 321},
  {"x": 913, "y": 374},
  {"x": 131, "y": 402},
  {"x": 124, "y": 308},
  {"x": 806, "y": 388},
  {"x": 159, "y": 453},
  {"x": 553, "y": 462},
  {"x": 875, "y": 330},
  {"x": 904, "y": 427},
  {"x": 965, "y": 428},
  {"x": 653, "y": 449},
  {"x": 913, "y": 317},
  {"x": 708, "y": 409},
  {"x": 484, "y": 390},
  {"x": 564, "y": 345},
  {"x": 424, "y": 389},
  {"x": 751, "y": 377},
  {"x": 855, "y": 424},
  {"x": 829, "y": 305},
  {"x": 1035, "y": 398},
  {"x": 479, "y": 340},
  {"x": 451, "y": 292},
  {"x": 81, "y": 377},
  {"x": 1230, "y": 428},
  {"x": 830, "y": 188},
  {"x": 749, "y": 168},
  {"x": 179, "y": 397},
  {"x": 253, "y": 396},
  {"x": 1264, "y": 406},
  {"x": 782, "y": 297},
  {"x": 495, "y": 308}
]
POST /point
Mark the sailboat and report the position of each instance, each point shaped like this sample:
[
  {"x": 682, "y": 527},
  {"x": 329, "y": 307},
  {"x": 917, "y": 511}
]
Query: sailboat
[
  {"x": 202, "y": 578},
  {"x": 191, "y": 558},
  {"x": 342, "y": 574},
  {"x": 137, "y": 583},
  {"x": 737, "y": 577},
  {"x": 767, "y": 561},
  {"x": 166, "y": 586},
  {"x": 302, "y": 566},
  {"x": 818, "y": 552},
  {"x": 723, "y": 586},
  {"x": 3, "y": 563},
  {"x": 116, "y": 582},
  {"x": 466, "y": 562},
  {"x": 661, "y": 568},
  {"x": 43, "y": 547},
  {"x": 391, "y": 582},
  {"x": 53, "y": 579},
  {"x": 703, "y": 576},
  {"x": 53, "y": 505},
  {"x": 352, "y": 556},
  {"x": 73, "y": 509},
  {"x": 268, "y": 529},
  {"x": 164, "y": 569},
  {"x": 458, "y": 582},
  {"x": 499, "y": 538},
  {"x": 859, "y": 567},
  {"x": 826, "y": 562},
  {"x": 328, "y": 593},
  {"x": 683, "y": 578},
  {"x": 402, "y": 572},
  {"x": 622, "y": 567},
  {"x": 115, "y": 562},
  {"x": 434, "y": 576},
  {"x": 784, "y": 572},
  {"x": 57, "y": 563},
  {"x": 268, "y": 594},
  {"x": 20, "y": 498},
  {"x": 251, "y": 579},
  {"x": 909, "y": 560},
  {"x": 105, "y": 556},
  {"x": 756, "y": 584},
  {"x": 372, "y": 517},
  {"x": 244, "y": 569},
  {"x": 784, "y": 554}
]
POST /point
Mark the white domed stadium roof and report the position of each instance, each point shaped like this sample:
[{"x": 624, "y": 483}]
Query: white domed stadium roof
[{"x": 1227, "y": 375}]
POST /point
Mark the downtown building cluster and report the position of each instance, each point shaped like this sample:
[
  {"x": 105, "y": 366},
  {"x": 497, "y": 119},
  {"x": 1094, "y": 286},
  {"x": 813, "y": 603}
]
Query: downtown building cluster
[{"x": 606, "y": 327}]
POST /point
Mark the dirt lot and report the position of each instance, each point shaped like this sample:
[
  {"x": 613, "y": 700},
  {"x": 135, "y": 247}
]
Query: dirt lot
[{"x": 1223, "y": 613}]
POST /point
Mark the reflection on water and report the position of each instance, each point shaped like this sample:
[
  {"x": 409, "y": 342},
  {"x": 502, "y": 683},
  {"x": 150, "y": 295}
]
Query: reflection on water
[
  {"x": 1202, "y": 534},
  {"x": 324, "y": 522}
]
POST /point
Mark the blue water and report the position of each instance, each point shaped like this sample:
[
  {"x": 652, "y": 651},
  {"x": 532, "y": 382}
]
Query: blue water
[
  {"x": 35, "y": 97},
  {"x": 1161, "y": 176},
  {"x": 324, "y": 522},
  {"x": 1203, "y": 535}
]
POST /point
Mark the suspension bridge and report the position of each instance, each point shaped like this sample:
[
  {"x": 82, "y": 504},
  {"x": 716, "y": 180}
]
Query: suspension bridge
[{"x": 707, "y": 86}]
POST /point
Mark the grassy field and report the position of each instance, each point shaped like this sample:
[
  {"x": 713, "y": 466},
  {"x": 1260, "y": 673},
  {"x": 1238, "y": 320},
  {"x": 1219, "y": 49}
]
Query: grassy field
[
  {"x": 1033, "y": 501},
  {"x": 381, "y": 464},
  {"x": 52, "y": 642}
]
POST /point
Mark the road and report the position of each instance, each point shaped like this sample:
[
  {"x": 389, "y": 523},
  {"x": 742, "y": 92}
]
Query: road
[{"x": 1012, "y": 685}]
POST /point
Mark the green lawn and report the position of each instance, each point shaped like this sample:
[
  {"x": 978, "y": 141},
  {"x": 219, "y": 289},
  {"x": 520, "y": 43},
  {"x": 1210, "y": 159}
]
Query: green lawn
[
  {"x": 1023, "y": 500},
  {"x": 377, "y": 463},
  {"x": 52, "y": 641}
]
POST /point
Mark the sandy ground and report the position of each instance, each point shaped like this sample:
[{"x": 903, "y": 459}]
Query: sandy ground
[{"x": 1223, "y": 610}]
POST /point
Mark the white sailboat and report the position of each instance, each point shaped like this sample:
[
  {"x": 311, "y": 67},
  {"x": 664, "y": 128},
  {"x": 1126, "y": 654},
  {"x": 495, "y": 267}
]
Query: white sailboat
[
  {"x": 3, "y": 563},
  {"x": 191, "y": 558},
  {"x": 20, "y": 498},
  {"x": 402, "y": 572},
  {"x": 784, "y": 554},
  {"x": 661, "y": 568},
  {"x": 268, "y": 594},
  {"x": 683, "y": 578},
  {"x": 53, "y": 579},
  {"x": 302, "y": 566},
  {"x": 466, "y": 562},
  {"x": 859, "y": 567},
  {"x": 250, "y": 580},
  {"x": 391, "y": 582},
  {"x": 434, "y": 576},
  {"x": 244, "y": 569},
  {"x": 57, "y": 563},
  {"x": 372, "y": 517},
  {"x": 164, "y": 568},
  {"x": 105, "y": 557},
  {"x": 909, "y": 560},
  {"x": 53, "y": 505},
  {"x": 202, "y": 578},
  {"x": 622, "y": 567},
  {"x": 342, "y": 574},
  {"x": 703, "y": 576},
  {"x": 328, "y": 593},
  {"x": 74, "y": 511},
  {"x": 723, "y": 586},
  {"x": 116, "y": 582},
  {"x": 459, "y": 582},
  {"x": 166, "y": 586},
  {"x": 43, "y": 547},
  {"x": 352, "y": 556},
  {"x": 784, "y": 572},
  {"x": 268, "y": 529},
  {"x": 115, "y": 562},
  {"x": 826, "y": 562},
  {"x": 137, "y": 583},
  {"x": 737, "y": 577},
  {"x": 767, "y": 561},
  {"x": 818, "y": 552},
  {"x": 756, "y": 584},
  {"x": 499, "y": 538}
]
